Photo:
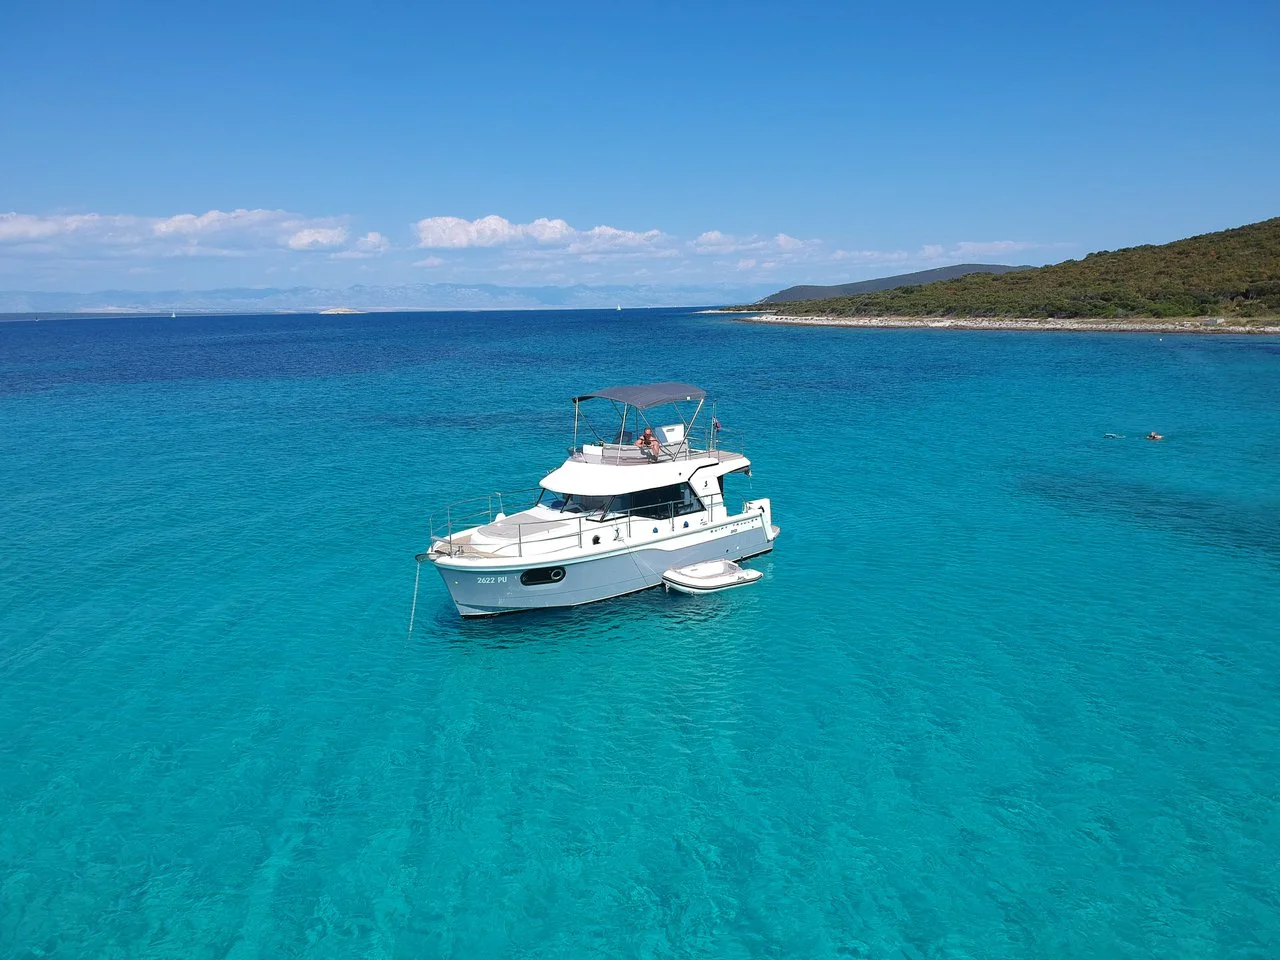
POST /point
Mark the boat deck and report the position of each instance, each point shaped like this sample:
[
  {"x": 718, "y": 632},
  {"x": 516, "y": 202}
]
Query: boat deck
[
  {"x": 515, "y": 536},
  {"x": 630, "y": 456}
]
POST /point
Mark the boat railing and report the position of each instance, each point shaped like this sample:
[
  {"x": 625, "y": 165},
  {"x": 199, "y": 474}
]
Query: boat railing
[
  {"x": 628, "y": 454},
  {"x": 708, "y": 442},
  {"x": 588, "y": 529},
  {"x": 719, "y": 438},
  {"x": 445, "y": 523}
]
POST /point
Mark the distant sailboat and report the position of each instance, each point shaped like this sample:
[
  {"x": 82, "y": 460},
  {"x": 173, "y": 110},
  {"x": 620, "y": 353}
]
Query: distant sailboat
[
  {"x": 619, "y": 306},
  {"x": 173, "y": 315}
]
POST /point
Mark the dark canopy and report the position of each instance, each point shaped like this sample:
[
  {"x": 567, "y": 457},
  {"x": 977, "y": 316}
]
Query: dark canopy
[{"x": 646, "y": 395}]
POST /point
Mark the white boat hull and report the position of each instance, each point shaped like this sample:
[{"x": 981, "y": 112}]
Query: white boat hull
[{"x": 483, "y": 592}]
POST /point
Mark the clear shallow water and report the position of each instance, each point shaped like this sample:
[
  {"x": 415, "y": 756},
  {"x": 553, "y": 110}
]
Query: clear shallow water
[{"x": 1007, "y": 689}]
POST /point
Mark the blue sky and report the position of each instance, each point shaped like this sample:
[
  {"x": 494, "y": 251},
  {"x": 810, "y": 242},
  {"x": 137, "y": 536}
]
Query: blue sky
[{"x": 161, "y": 146}]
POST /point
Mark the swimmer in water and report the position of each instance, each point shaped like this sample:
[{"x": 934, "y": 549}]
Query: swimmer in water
[{"x": 1154, "y": 436}]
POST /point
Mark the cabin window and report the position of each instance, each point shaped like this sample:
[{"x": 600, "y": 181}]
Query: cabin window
[
  {"x": 662, "y": 503},
  {"x": 574, "y": 503},
  {"x": 687, "y": 501}
]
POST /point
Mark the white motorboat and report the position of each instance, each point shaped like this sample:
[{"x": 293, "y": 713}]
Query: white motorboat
[
  {"x": 633, "y": 500},
  {"x": 709, "y": 577}
]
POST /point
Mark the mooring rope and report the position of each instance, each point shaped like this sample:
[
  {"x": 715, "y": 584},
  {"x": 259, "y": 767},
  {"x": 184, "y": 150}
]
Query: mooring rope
[{"x": 417, "y": 569}]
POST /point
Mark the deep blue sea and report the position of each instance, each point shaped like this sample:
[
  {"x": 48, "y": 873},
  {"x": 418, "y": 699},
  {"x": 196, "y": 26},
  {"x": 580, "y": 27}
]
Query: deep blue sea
[{"x": 1008, "y": 689}]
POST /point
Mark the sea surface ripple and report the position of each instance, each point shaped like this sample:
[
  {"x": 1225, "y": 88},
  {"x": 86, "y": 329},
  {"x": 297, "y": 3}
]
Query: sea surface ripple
[{"x": 1008, "y": 689}]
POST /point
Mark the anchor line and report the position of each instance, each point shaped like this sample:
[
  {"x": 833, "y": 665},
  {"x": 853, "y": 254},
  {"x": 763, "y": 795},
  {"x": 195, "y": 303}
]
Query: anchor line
[{"x": 417, "y": 570}]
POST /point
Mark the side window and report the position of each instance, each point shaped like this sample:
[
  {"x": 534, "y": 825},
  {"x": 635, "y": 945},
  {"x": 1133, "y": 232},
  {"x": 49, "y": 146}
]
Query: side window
[
  {"x": 688, "y": 502},
  {"x": 654, "y": 504},
  {"x": 662, "y": 503}
]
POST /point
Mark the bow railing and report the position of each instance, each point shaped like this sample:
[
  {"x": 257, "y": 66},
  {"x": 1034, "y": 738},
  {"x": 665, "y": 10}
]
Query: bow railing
[{"x": 450, "y": 534}]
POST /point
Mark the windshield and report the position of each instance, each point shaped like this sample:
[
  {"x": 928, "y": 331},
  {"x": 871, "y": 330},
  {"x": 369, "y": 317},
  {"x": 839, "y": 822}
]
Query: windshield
[
  {"x": 574, "y": 503},
  {"x": 658, "y": 503}
]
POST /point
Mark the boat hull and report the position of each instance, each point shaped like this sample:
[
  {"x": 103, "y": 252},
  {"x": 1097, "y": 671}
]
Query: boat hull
[{"x": 487, "y": 592}]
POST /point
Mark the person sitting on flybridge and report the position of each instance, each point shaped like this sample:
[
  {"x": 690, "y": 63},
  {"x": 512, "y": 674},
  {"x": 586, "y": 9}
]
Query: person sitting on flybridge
[{"x": 649, "y": 444}]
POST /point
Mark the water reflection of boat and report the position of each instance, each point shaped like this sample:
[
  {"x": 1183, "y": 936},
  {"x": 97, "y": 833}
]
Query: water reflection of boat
[{"x": 612, "y": 518}]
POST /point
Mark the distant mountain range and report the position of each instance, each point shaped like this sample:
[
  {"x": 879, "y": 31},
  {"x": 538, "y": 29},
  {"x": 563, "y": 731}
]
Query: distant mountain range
[
  {"x": 813, "y": 292},
  {"x": 413, "y": 296}
]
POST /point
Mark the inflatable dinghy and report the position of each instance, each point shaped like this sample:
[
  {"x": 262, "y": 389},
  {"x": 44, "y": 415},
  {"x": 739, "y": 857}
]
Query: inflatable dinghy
[{"x": 709, "y": 577}]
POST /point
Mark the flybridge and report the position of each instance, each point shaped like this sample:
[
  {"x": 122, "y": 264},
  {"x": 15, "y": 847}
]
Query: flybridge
[{"x": 616, "y": 442}]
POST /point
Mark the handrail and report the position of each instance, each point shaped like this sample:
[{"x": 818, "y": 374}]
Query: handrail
[
  {"x": 467, "y": 513},
  {"x": 526, "y": 531},
  {"x": 716, "y": 439},
  {"x": 612, "y": 454}
]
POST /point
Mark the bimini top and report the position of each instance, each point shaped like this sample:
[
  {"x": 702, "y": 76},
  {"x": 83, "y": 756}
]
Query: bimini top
[{"x": 647, "y": 395}]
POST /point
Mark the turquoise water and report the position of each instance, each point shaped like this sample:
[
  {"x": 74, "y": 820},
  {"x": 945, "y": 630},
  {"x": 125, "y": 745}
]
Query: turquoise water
[{"x": 1008, "y": 689}]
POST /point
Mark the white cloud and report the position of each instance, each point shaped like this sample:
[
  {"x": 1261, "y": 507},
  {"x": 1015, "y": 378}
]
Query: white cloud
[
  {"x": 784, "y": 245},
  {"x": 547, "y": 231},
  {"x": 991, "y": 248},
  {"x": 44, "y": 233},
  {"x": 317, "y": 238},
  {"x": 215, "y": 233},
  {"x": 494, "y": 231},
  {"x": 932, "y": 254},
  {"x": 371, "y": 245},
  {"x": 219, "y": 222},
  {"x": 24, "y": 227},
  {"x": 454, "y": 232},
  {"x": 713, "y": 241},
  {"x": 973, "y": 249},
  {"x": 870, "y": 256},
  {"x": 491, "y": 231},
  {"x": 544, "y": 250},
  {"x": 611, "y": 238}
]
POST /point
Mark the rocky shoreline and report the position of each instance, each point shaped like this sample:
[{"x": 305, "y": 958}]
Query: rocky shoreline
[{"x": 1197, "y": 325}]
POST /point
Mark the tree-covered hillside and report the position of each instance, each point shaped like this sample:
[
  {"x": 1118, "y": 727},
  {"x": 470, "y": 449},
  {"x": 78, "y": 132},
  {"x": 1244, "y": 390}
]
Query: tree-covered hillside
[
  {"x": 809, "y": 291},
  {"x": 1232, "y": 273}
]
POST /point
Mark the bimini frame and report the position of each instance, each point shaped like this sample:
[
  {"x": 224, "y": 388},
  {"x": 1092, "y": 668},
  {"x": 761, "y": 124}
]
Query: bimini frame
[{"x": 641, "y": 398}]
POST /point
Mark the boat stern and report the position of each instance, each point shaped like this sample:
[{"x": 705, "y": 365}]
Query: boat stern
[{"x": 765, "y": 509}]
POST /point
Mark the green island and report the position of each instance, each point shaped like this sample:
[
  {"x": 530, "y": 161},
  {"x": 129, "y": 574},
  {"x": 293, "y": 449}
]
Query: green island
[{"x": 1232, "y": 276}]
